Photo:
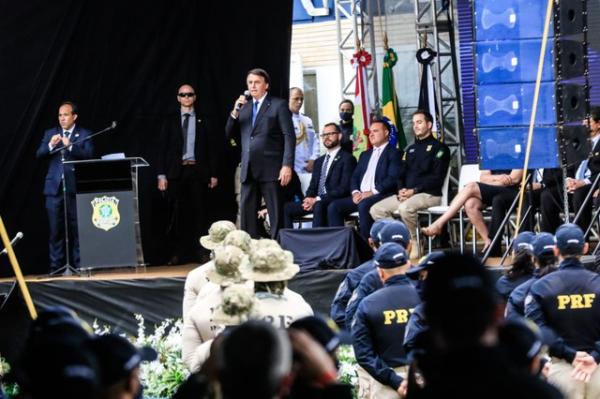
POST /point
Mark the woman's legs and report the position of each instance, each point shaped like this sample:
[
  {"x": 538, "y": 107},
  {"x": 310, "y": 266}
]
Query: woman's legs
[
  {"x": 471, "y": 190},
  {"x": 473, "y": 209}
]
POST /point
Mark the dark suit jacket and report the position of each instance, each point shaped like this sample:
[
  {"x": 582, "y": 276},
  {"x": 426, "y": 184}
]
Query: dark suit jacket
[
  {"x": 389, "y": 168},
  {"x": 55, "y": 168},
  {"x": 594, "y": 161},
  {"x": 206, "y": 148},
  {"x": 267, "y": 146},
  {"x": 337, "y": 183}
]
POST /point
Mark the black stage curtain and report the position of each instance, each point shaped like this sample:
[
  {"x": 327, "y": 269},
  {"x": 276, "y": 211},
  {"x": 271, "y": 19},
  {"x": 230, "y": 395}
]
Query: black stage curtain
[{"x": 123, "y": 61}]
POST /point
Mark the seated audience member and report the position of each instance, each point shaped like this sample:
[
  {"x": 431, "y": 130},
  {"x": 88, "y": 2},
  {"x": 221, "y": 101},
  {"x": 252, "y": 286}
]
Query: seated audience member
[
  {"x": 425, "y": 165},
  {"x": 330, "y": 180},
  {"x": 477, "y": 196},
  {"x": 200, "y": 326},
  {"x": 254, "y": 361},
  {"x": 378, "y": 327},
  {"x": 119, "y": 362},
  {"x": 307, "y": 142},
  {"x": 522, "y": 267},
  {"x": 545, "y": 263},
  {"x": 395, "y": 231},
  {"x": 563, "y": 305},
  {"x": 352, "y": 279},
  {"x": 196, "y": 278},
  {"x": 346, "y": 109},
  {"x": 578, "y": 184},
  {"x": 270, "y": 268},
  {"x": 373, "y": 179},
  {"x": 462, "y": 357}
]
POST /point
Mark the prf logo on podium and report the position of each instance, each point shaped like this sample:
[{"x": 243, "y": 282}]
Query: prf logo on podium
[{"x": 105, "y": 214}]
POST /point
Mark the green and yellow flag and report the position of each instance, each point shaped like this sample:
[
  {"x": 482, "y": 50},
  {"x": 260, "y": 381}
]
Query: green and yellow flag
[{"x": 389, "y": 100}]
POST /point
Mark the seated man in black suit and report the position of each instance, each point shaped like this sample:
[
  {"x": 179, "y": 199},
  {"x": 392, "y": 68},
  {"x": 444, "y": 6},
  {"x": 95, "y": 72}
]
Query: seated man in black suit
[
  {"x": 330, "y": 180},
  {"x": 374, "y": 178}
]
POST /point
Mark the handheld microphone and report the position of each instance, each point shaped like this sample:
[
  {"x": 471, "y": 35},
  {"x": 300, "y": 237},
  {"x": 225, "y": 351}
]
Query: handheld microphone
[
  {"x": 113, "y": 125},
  {"x": 238, "y": 106},
  {"x": 13, "y": 242}
]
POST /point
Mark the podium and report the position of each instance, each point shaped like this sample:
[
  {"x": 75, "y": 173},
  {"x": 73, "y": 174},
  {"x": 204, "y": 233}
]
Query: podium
[{"x": 107, "y": 212}]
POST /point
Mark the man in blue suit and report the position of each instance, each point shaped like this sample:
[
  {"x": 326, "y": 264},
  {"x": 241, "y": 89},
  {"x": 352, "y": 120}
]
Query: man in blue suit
[
  {"x": 68, "y": 136},
  {"x": 330, "y": 180},
  {"x": 373, "y": 179},
  {"x": 266, "y": 131}
]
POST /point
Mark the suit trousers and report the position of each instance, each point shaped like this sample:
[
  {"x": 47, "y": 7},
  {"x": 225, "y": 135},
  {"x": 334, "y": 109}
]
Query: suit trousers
[
  {"x": 56, "y": 224},
  {"x": 250, "y": 198},
  {"x": 342, "y": 207},
  {"x": 408, "y": 209},
  {"x": 293, "y": 210},
  {"x": 560, "y": 376},
  {"x": 552, "y": 204},
  {"x": 188, "y": 194}
]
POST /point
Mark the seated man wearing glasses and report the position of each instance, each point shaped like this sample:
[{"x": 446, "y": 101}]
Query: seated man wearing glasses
[
  {"x": 187, "y": 169},
  {"x": 330, "y": 180}
]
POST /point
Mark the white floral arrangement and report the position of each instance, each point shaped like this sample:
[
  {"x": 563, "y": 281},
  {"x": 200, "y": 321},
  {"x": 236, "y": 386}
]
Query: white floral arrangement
[
  {"x": 347, "y": 372},
  {"x": 162, "y": 377}
]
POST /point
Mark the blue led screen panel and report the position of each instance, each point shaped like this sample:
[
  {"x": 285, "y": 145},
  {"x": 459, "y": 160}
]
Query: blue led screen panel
[
  {"x": 509, "y": 19},
  {"x": 504, "y": 148},
  {"x": 512, "y": 61},
  {"x": 511, "y": 104}
]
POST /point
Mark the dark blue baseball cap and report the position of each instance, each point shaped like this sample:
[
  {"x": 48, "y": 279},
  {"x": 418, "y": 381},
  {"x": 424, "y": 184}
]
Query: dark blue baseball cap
[
  {"x": 569, "y": 239},
  {"x": 395, "y": 231},
  {"x": 542, "y": 243},
  {"x": 424, "y": 264},
  {"x": 390, "y": 255},
  {"x": 376, "y": 228},
  {"x": 523, "y": 241}
]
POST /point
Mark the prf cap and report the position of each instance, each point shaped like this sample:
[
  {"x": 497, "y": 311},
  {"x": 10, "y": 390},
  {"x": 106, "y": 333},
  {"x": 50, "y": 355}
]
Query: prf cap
[
  {"x": 523, "y": 241},
  {"x": 542, "y": 243},
  {"x": 390, "y": 255},
  {"x": 376, "y": 228},
  {"x": 569, "y": 239},
  {"x": 425, "y": 263},
  {"x": 395, "y": 231}
]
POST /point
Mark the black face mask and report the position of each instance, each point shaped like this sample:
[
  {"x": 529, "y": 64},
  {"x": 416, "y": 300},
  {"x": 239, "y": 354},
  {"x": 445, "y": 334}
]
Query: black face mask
[{"x": 346, "y": 116}]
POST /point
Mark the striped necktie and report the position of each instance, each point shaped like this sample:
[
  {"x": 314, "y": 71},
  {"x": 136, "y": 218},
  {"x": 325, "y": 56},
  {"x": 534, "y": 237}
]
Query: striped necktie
[{"x": 322, "y": 190}]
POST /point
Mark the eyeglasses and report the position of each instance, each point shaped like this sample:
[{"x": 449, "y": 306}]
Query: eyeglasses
[
  {"x": 328, "y": 134},
  {"x": 186, "y": 94}
]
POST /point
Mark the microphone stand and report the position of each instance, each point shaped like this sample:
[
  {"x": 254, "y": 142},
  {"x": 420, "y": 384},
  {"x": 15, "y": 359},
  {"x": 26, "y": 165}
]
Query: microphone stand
[{"x": 67, "y": 269}]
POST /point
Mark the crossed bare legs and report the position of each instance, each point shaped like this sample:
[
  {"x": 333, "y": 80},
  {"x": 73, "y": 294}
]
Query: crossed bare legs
[{"x": 470, "y": 197}]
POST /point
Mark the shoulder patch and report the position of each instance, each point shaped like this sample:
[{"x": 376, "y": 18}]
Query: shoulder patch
[
  {"x": 429, "y": 148},
  {"x": 439, "y": 154}
]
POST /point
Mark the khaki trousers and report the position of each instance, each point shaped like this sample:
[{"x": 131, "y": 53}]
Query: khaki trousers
[
  {"x": 370, "y": 388},
  {"x": 408, "y": 209},
  {"x": 560, "y": 376}
]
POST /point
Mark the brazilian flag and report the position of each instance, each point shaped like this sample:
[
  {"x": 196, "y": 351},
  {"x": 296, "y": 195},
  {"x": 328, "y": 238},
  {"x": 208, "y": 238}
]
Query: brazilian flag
[{"x": 389, "y": 99}]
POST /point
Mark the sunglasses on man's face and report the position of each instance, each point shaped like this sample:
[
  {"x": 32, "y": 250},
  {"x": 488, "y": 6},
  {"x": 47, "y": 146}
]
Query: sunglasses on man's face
[{"x": 186, "y": 94}]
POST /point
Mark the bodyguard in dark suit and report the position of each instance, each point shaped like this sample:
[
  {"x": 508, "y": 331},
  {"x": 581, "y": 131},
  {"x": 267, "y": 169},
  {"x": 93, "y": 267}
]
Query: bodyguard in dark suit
[
  {"x": 57, "y": 137},
  {"x": 187, "y": 169},
  {"x": 266, "y": 131},
  {"x": 330, "y": 180},
  {"x": 372, "y": 180}
]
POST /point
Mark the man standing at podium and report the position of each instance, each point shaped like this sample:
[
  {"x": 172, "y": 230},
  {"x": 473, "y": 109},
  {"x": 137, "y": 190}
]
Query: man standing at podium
[
  {"x": 66, "y": 136},
  {"x": 187, "y": 169}
]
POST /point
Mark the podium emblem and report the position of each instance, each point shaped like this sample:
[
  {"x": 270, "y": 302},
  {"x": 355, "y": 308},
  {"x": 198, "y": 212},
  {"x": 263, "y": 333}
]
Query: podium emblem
[{"x": 105, "y": 214}]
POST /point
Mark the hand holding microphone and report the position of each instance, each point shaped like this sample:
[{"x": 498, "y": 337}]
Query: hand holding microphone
[{"x": 239, "y": 103}]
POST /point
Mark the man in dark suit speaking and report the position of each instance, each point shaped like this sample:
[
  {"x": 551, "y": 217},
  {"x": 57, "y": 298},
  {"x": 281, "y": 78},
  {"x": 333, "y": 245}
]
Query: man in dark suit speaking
[
  {"x": 330, "y": 180},
  {"x": 266, "y": 131},
  {"x": 63, "y": 136}
]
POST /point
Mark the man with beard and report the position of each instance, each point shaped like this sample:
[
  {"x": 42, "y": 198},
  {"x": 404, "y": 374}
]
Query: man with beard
[{"x": 330, "y": 180}]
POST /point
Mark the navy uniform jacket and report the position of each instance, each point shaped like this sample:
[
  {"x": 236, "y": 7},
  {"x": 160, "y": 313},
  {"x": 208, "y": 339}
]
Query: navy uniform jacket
[
  {"x": 389, "y": 169},
  {"x": 566, "y": 306},
  {"x": 345, "y": 290},
  {"x": 269, "y": 144},
  {"x": 84, "y": 150},
  {"x": 515, "y": 306},
  {"x": 425, "y": 166},
  {"x": 379, "y": 326},
  {"x": 416, "y": 325},
  {"x": 504, "y": 285},
  {"x": 370, "y": 283},
  {"x": 337, "y": 182}
]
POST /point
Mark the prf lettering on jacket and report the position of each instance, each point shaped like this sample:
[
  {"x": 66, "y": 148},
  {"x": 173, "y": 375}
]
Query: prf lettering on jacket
[
  {"x": 398, "y": 316},
  {"x": 575, "y": 301}
]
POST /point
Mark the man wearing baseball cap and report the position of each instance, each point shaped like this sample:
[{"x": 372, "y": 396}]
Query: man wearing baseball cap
[
  {"x": 379, "y": 325},
  {"x": 395, "y": 231},
  {"x": 566, "y": 307},
  {"x": 352, "y": 279}
]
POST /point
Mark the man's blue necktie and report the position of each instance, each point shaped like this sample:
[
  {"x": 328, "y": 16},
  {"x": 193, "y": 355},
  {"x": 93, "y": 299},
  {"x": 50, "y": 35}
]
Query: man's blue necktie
[
  {"x": 323, "y": 177},
  {"x": 254, "y": 112}
]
